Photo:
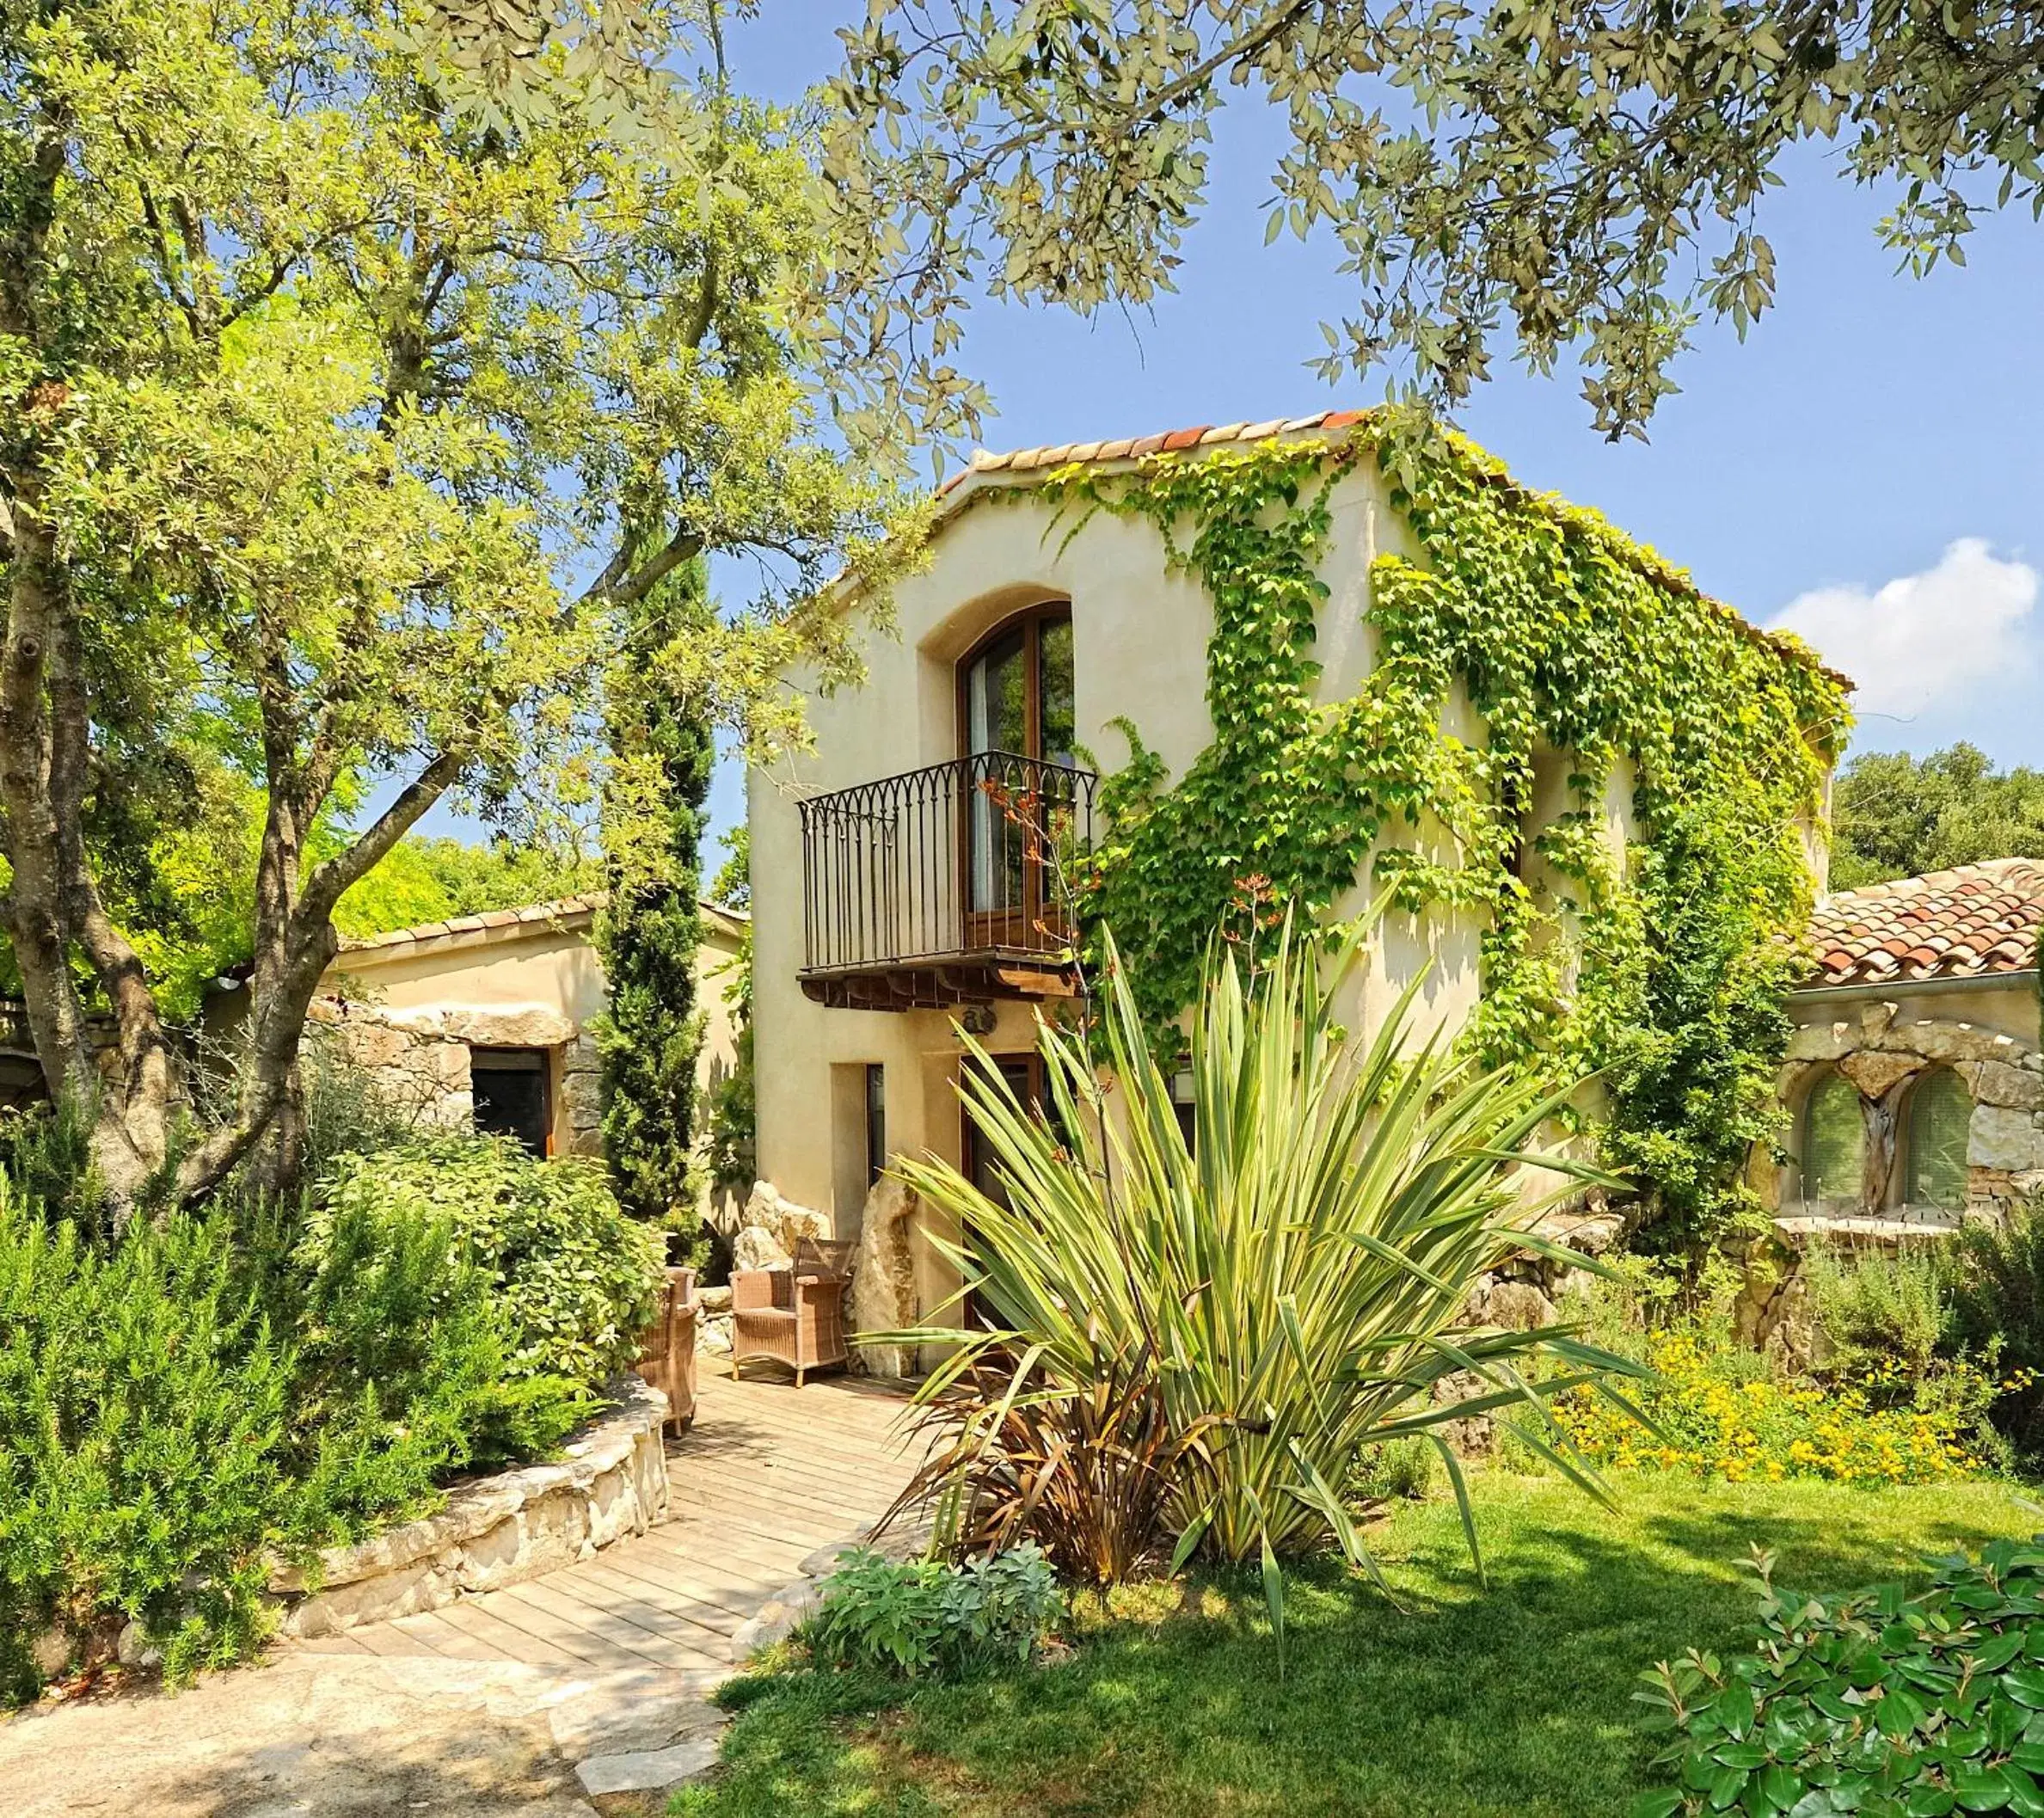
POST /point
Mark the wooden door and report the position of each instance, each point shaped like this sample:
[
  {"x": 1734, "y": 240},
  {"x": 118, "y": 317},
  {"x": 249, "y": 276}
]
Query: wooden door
[
  {"x": 1016, "y": 715},
  {"x": 1024, "y": 1076}
]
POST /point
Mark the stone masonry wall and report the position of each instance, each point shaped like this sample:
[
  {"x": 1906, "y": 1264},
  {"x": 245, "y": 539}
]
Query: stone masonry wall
[
  {"x": 419, "y": 1058},
  {"x": 1881, "y": 1050},
  {"x": 610, "y": 1483}
]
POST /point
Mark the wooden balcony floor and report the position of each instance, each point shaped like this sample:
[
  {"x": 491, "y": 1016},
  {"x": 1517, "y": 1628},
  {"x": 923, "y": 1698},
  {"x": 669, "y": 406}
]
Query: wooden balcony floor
[{"x": 767, "y": 1476}]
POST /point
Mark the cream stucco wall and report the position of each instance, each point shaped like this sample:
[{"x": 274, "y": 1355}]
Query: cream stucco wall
[
  {"x": 420, "y": 1002},
  {"x": 1140, "y": 633}
]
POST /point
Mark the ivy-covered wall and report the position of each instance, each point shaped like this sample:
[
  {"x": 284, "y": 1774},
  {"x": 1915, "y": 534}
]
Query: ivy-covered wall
[{"x": 1663, "y": 972}]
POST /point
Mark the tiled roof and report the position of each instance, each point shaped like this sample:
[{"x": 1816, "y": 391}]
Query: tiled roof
[
  {"x": 1960, "y": 924},
  {"x": 1135, "y": 448},
  {"x": 985, "y": 470},
  {"x": 566, "y": 911}
]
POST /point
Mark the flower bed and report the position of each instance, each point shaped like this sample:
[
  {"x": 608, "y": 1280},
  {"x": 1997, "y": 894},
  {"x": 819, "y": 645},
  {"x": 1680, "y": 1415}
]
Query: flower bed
[{"x": 1720, "y": 1415}]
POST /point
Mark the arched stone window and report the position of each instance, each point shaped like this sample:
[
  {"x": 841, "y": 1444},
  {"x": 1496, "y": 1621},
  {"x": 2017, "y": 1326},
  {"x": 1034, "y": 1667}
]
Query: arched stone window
[
  {"x": 1940, "y": 1116},
  {"x": 1834, "y": 1142}
]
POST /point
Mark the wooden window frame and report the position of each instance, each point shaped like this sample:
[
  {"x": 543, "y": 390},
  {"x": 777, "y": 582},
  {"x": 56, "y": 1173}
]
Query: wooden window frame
[{"x": 1008, "y": 927}]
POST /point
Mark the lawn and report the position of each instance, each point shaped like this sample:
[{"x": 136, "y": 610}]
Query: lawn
[{"x": 1468, "y": 1702}]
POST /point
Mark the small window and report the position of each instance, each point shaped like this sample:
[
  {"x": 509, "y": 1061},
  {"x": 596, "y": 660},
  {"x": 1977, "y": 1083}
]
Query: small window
[
  {"x": 1940, "y": 1117},
  {"x": 876, "y": 1124},
  {"x": 509, "y": 1086},
  {"x": 1834, "y": 1142}
]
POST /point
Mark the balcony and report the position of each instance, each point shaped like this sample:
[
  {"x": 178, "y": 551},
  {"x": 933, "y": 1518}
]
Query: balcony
[{"x": 941, "y": 888}]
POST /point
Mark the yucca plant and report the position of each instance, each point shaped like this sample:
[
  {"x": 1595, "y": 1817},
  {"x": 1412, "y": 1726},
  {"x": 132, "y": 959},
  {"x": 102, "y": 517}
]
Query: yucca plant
[{"x": 1288, "y": 1290}]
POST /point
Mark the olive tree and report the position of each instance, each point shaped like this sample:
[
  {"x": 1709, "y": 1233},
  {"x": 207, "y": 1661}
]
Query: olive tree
[
  {"x": 1590, "y": 172},
  {"x": 342, "y": 427}
]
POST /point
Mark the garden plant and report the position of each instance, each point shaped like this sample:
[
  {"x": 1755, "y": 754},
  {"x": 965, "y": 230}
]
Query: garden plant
[
  {"x": 186, "y": 1400},
  {"x": 1203, "y": 1337}
]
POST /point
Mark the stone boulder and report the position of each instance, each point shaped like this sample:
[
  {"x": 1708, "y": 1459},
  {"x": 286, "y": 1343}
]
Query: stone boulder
[
  {"x": 883, "y": 1280},
  {"x": 771, "y": 1227}
]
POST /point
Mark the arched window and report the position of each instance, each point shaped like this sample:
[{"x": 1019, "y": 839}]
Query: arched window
[
  {"x": 1940, "y": 1115},
  {"x": 1834, "y": 1142},
  {"x": 1017, "y": 731}
]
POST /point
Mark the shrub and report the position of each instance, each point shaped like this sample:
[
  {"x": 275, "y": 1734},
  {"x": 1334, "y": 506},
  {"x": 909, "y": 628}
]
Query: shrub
[
  {"x": 402, "y": 1373},
  {"x": 181, "y": 1401},
  {"x": 1289, "y": 1290},
  {"x": 1997, "y": 1311},
  {"x": 1879, "y": 1703},
  {"x": 1085, "y": 1471},
  {"x": 1398, "y": 1471},
  {"x": 143, "y": 1409},
  {"x": 923, "y": 1615},
  {"x": 575, "y": 1281},
  {"x": 1718, "y": 1410},
  {"x": 1879, "y": 1313}
]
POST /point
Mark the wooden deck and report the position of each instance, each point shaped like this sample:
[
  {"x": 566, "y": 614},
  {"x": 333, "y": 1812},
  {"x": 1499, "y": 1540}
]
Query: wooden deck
[{"x": 767, "y": 1475}]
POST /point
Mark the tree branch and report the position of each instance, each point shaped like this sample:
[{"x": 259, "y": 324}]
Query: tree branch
[{"x": 324, "y": 887}]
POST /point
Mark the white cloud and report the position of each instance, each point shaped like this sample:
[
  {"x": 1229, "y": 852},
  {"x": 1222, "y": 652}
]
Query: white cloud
[{"x": 1920, "y": 640}]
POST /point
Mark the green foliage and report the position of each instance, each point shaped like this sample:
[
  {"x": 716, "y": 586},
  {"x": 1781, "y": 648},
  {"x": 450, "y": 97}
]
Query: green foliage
[
  {"x": 403, "y": 1369},
  {"x": 1571, "y": 643},
  {"x": 1888, "y": 1396},
  {"x": 733, "y": 1155},
  {"x": 574, "y": 1279},
  {"x": 661, "y": 756},
  {"x": 1875, "y": 1310},
  {"x": 316, "y": 512},
  {"x": 1893, "y": 815},
  {"x": 1879, "y": 1703},
  {"x": 1397, "y": 1471},
  {"x": 1584, "y": 182},
  {"x": 923, "y": 1617},
  {"x": 1292, "y": 1290},
  {"x": 424, "y": 879},
  {"x": 1997, "y": 1311},
  {"x": 144, "y": 1411},
  {"x": 732, "y": 885},
  {"x": 182, "y": 1401},
  {"x": 1508, "y": 1700}
]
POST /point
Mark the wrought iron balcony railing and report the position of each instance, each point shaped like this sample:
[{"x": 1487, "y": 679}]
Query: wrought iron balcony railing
[{"x": 953, "y": 864}]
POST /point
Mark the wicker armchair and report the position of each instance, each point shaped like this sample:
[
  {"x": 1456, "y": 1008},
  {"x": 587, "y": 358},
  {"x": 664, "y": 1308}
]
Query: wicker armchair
[
  {"x": 793, "y": 1316},
  {"x": 667, "y": 1349}
]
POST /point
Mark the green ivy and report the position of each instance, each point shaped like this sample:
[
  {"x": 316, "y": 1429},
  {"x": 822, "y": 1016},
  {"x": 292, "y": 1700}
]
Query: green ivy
[{"x": 1566, "y": 637}]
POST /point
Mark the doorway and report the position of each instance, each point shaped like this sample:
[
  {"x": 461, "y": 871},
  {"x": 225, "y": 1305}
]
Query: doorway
[
  {"x": 1023, "y": 1074},
  {"x": 1018, "y": 730}
]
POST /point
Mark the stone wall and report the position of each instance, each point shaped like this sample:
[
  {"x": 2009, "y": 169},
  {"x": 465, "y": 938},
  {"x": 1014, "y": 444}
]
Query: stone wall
[
  {"x": 610, "y": 1483},
  {"x": 1883, "y": 1050},
  {"x": 419, "y": 1058}
]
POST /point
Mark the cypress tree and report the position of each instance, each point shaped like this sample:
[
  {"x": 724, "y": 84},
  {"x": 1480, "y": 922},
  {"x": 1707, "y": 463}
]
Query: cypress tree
[{"x": 653, "y": 798}]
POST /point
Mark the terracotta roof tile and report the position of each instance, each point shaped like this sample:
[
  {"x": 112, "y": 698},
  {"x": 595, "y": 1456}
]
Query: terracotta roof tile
[{"x": 1960, "y": 924}]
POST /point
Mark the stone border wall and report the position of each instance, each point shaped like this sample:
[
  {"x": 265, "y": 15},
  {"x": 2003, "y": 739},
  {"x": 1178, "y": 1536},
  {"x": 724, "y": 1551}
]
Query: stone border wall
[{"x": 611, "y": 1483}]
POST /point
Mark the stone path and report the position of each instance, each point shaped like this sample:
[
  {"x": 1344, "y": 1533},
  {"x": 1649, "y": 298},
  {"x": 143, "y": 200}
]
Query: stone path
[{"x": 531, "y": 1700}]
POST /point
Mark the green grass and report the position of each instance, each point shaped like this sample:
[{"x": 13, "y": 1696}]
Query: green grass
[{"x": 1514, "y": 1700}]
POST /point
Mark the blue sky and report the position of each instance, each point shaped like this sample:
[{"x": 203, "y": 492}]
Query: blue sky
[{"x": 1868, "y": 465}]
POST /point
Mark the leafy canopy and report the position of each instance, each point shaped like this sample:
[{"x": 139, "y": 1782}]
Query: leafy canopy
[
  {"x": 1893, "y": 815},
  {"x": 1587, "y": 176},
  {"x": 344, "y": 428}
]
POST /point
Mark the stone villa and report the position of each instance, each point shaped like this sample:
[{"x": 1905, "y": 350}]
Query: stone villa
[{"x": 898, "y": 905}]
